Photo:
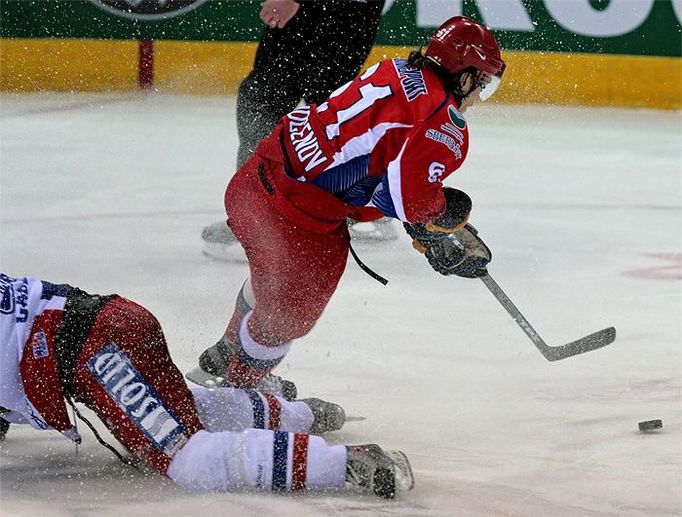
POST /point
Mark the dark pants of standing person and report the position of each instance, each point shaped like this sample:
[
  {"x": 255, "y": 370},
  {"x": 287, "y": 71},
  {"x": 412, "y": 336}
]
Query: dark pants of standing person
[{"x": 321, "y": 48}]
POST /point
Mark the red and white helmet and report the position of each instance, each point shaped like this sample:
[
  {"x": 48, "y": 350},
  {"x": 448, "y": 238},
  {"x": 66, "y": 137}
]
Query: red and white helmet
[{"x": 461, "y": 43}]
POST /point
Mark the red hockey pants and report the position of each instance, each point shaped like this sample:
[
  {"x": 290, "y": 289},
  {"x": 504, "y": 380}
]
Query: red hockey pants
[
  {"x": 126, "y": 376},
  {"x": 296, "y": 240}
]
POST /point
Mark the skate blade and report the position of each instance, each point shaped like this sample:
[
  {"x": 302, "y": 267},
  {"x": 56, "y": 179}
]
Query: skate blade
[
  {"x": 404, "y": 479},
  {"x": 200, "y": 377}
]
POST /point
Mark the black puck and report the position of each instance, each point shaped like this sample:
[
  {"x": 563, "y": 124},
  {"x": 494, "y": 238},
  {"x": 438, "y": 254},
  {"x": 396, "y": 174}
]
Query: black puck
[{"x": 650, "y": 425}]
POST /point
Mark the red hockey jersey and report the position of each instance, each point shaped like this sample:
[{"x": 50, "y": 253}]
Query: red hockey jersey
[{"x": 384, "y": 140}]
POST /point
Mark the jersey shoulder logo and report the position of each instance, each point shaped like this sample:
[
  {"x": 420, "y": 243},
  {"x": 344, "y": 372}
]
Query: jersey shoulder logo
[
  {"x": 446, "y": 140},
  {"x": 6, "y": 295},
  {"x": 456, "y": 117},
  {"x": 39, "y": 345}
]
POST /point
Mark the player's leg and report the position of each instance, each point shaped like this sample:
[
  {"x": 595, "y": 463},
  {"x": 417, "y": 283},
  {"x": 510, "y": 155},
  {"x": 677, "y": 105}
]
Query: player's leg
[
  {"x": 294, "y": 273},
  {"x": 276, "y": 83},
  {"x": 125, "y": 375},
  {"x": 281, "y": 461},
  {"x": 232, "y": 409},
  {"x": 294, "y": 267},
  {"x": 215, "y": 367},
  {"x": 258, "y": 459},
  {"x": 345, "y": 36}
]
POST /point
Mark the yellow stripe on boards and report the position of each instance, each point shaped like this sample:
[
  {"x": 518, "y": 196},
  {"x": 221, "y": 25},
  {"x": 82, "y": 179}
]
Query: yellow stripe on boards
[
  {"x": 584, "y": 79},
  {"x": 67, "y": 65},
  {"x": 202, "y": 68},
  {"x": 593, "y": 80},
  {"x": 217, "y": 68}
]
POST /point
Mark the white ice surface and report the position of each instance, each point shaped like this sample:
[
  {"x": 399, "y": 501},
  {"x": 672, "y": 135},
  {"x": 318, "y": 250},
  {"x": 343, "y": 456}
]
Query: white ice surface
[{"x": 583, "y": 211}]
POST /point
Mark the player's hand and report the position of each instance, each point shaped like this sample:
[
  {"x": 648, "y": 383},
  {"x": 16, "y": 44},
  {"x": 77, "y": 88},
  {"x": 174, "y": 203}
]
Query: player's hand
[
  {"x": 461, "y": 253},
  {"x": 277, "y": 13}
]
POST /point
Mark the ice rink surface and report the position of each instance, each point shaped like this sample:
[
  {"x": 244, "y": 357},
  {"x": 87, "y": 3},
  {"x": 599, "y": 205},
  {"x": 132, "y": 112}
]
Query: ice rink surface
[{"x": 582, "y": 209}]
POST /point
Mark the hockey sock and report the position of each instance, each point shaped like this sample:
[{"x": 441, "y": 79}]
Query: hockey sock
[
  {"x": 245, "y": 303},
  {"x": 249, "y": 360},
  {"x": 234, "y": 409},
  {"x": 270, "y": 460}
]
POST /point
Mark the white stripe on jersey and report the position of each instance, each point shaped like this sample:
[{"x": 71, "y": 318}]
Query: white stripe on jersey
[
  {"x": 394, "y": 183},
  {"x": 370, "y": 71},
  {"x": 363, "y": 144}
]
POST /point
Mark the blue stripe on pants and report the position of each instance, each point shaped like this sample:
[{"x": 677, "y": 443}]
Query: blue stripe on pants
[
  {"x": 279, "y": 460},
  {"x": 258, "y": 409}
]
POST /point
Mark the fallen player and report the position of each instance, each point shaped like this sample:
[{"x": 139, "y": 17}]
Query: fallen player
[{"x": 59, "y": 345}]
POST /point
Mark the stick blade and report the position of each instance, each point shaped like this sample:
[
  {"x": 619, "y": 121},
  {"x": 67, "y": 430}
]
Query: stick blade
[{"x": 594, "y": 341}]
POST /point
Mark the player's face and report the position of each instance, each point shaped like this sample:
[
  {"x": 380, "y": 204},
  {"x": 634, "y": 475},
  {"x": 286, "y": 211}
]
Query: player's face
[
  {"x": 468, "y": 83},
  {"x": 480, "y": 87},
  {"x": 469, "y": 100}
]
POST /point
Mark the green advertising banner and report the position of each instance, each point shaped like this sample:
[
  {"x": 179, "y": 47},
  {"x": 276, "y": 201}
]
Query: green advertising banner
[{"x": 625, "y": 27}]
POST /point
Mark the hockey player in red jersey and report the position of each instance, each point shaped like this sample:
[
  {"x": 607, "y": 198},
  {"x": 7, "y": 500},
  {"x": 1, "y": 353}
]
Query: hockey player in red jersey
[
  {"x": 379, "y": 146},
  {"x": 58, "y": 343},
  {"x": 299, "y": 39}
]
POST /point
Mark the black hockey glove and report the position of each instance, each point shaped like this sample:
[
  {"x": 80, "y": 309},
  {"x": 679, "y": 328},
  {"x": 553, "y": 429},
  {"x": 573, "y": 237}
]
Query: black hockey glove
[
  {"x": 456, "y": 213},
  {"x": 460, "y": 253}
]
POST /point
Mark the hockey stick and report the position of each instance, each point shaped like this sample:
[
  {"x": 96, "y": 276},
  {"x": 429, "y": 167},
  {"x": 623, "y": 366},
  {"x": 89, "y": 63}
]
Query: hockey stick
[{"x": 552, "y": 353}]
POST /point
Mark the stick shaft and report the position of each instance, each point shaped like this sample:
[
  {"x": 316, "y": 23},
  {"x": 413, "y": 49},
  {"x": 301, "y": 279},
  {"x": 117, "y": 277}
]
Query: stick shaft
[
  {"x": 594, "y": 341},
  {"x": 513, "y": 311}
]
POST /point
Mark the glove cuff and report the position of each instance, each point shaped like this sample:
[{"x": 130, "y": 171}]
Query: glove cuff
[{"x": 456, "y": 214}]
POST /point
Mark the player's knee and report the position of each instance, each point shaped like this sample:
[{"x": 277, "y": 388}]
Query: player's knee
[
  {"x": 149, "y": 325},
  {"x": 142, "y": 329}
]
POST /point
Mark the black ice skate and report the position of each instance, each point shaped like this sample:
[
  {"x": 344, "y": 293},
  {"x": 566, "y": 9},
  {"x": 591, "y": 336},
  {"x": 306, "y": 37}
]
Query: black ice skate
[
  {"x": 214, "y": 363},
  {"x": 327, "y": 416},
  {"x": 4, "y": 427},
  {"x": 373, "y": 470}
]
